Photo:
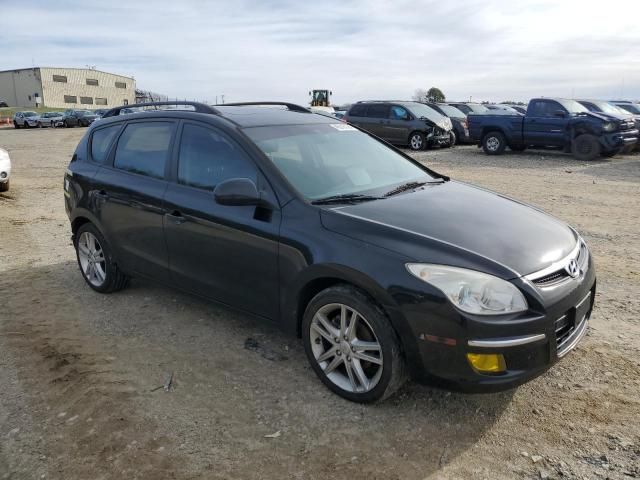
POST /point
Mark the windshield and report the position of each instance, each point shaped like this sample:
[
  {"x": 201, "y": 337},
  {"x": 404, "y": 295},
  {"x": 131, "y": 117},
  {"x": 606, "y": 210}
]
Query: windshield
[
  {"x": 30, "y": 114},
  {"x": 451, "y": 111},
  {"x": 630, "y": 107},
  {"x": 607, "y": 107},
  {"x": 84, "y": 112},
  {"x": 421, "y": 110},
  {"x": 572, "y": 106},
  {"x": 323, "y": 160}
]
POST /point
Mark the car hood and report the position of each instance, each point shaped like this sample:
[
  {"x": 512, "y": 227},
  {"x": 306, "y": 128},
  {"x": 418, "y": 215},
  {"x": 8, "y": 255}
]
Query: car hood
[{"x": 457, "y": 224}]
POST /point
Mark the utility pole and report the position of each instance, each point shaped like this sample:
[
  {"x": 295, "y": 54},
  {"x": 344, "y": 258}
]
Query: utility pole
[{"x": 222, "y": 96}]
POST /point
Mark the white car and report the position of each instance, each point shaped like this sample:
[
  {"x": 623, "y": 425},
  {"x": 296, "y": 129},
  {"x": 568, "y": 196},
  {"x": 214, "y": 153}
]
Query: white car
[{"x": 5, "y": 170}]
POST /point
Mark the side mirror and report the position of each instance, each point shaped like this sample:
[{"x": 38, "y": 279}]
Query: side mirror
[
  {"x": 237, "y": 192},
  {"x": 560, "y": 113}
]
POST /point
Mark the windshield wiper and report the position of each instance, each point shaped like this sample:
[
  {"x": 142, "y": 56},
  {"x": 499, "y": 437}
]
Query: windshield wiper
[
  {"x": 409, "y": 186},
  {"x": 346, "y": 198}
]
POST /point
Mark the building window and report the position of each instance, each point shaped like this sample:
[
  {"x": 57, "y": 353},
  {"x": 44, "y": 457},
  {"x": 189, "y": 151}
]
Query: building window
[
  {"x": 60, "y": 78},
  {"x": 70, "y": 99},
  {"x": 121, "y": 85},
  {"x": 101, "y": 101},
  {"x": 92, "y": 81},
  {"x": 86, "y": 100}
]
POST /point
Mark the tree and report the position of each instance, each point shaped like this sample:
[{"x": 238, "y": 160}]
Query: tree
[
  {"x": 420, "y": 95},
  {"x": 435, "y": 95}
]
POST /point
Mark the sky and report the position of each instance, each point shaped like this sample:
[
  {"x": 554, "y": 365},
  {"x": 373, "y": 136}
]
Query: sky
[{"x": 246, "y": 50}]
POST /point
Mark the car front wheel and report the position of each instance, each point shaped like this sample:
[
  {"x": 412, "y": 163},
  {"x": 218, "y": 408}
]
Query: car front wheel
[
  {"x": 585, "y": 147},
  {"x": 96, "y": 261},
  {"x": 417, "y": 141},
  {"x": 351, "y": 345}
]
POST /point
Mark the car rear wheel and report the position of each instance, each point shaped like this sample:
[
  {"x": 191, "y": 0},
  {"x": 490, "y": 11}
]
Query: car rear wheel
[
  {"x": 417, "y": 141},
  {"x": 494, "y": 143},
  {"x": 96, "y": 261},
  {"x": 351, "y": 345},
  {"x": 15, "y": 125},
  {"x": 585, "y": 147},
  {"x": 452, "y": 138}
]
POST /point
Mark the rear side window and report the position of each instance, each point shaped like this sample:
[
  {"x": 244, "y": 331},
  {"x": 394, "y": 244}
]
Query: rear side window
[
  {"x": 143, "y": 148},
  {"x": 208, "y": 158},
  {"x": 100, "y": 142},
  {"x": 358, "y": 111},
  {"x": 378, "y": 111}
]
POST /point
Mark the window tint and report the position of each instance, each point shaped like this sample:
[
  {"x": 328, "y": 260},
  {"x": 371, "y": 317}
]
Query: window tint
[
  {"x": 358, "y": 111},
  {"x": 398, "y": 113},
  {"x": 378, "y": 111},
  {"x": 100, "y": 141},
  {"x": 208, "y": 158},
  {"x": 544, "y": 108},
  {"x": 144, "y": 148}
]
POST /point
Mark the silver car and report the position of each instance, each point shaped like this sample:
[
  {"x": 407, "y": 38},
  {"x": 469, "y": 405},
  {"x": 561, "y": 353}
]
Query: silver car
[
  {"x": 50, "y": 119},
  {"x": 25, "y": 119}
]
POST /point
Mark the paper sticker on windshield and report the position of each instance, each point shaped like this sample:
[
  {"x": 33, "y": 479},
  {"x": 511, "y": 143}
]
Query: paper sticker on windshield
[{"x": 343, "y": 127}]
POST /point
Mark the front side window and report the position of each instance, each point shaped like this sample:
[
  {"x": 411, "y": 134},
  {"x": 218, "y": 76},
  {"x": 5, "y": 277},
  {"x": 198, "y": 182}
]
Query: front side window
[
  {"x": 322, "y": 160},
  {"x": 399, "y": 113},
  {"x": 100, "y": 142},
  {"x": 143, "y": 148},
  {"x": 207, "y": 158}
]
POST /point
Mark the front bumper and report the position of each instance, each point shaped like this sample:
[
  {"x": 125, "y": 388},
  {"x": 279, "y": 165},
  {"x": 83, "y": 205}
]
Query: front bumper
[
  {"x": 438, "y": 140},
  {"x": 530, "y": 343},
  {"x": 615, "y": 140}
]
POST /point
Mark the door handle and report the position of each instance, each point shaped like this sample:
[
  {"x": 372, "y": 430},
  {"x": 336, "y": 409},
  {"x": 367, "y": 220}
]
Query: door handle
[{"x": 176, "y": 217}]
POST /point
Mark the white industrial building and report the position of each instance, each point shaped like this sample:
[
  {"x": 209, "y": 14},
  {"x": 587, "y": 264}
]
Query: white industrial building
[{"x": 65, "y": 88}]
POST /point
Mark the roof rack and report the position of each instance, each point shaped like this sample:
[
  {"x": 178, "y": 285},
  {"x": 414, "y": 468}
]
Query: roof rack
[
  {"x": 197, "y": 106},
  {"x": 291, "y": 106}
]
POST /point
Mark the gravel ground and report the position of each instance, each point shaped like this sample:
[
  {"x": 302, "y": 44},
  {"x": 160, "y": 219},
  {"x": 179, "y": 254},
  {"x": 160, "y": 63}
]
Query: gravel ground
[{"x": 79, "y": 370}]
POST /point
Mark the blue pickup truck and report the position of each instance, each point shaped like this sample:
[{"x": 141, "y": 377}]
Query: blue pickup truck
[{"x": 554, "y": 123}]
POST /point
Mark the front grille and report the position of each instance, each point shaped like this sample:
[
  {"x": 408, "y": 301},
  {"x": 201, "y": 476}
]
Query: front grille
[{"x": 552, "y": 278}]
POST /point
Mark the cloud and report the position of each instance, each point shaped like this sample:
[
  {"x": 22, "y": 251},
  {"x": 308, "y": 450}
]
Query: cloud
[{"x": 279, "y": 50}]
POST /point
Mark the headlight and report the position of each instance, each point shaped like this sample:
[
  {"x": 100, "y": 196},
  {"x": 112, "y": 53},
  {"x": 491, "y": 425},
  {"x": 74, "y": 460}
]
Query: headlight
[
  {"x": 471, "y": 291},
  {"x": 609, "y": 126}
]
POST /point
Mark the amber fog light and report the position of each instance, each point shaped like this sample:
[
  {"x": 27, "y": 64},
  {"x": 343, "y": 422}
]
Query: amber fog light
[{"x": 487, "y": 362}]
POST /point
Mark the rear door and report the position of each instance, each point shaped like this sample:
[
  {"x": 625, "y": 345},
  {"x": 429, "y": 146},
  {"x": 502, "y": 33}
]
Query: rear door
[
  {"x": 542, "y": 124},
  {"x": 228, "y": 253},
  {"x": 130, "y": 191},
  {"x": 377, "y": 120}
]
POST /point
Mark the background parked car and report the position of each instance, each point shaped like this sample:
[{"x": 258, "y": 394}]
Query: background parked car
[
  {"x": 519, "y": 108},
  {"x": 503, "y": 108},
  {"x": 630, "y": 107},
  {"x": 470, "y": 108},
  {"x": 402, "y": 123},
  {"x": 50, "y": 119},
  {"x": 3, "y": 104},
  {"x": 81, "y": 118},
  {"x": 601, "y": 106},
  {"x": 5, "y": 170},
  {"x": 458, "y": 119},
  {"x": 25, "y": 119}
]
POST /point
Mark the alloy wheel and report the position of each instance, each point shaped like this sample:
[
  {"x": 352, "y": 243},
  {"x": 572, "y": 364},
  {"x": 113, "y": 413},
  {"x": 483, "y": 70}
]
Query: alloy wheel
[
  {"x": 92, "y": 260},
  {"x": 416, "y": 142},
  {"x": 492, "y": 144},
  {"x": 346, "y": 348}
]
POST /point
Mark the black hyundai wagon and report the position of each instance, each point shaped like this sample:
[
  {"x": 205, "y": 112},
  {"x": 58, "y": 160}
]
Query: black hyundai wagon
[{"x": 385, "y": 268}]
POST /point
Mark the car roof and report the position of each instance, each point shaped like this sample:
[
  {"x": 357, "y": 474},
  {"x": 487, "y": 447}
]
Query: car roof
[{"x": 247, "y": 116}]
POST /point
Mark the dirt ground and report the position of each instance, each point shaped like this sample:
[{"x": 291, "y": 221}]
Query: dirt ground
[{"x": 79, "y": 370}]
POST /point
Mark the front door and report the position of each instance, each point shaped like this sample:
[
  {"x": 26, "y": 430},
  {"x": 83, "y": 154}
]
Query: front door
[
  {"x": 397, "y": 129},
  {"x": 543, "y": 126},
  {"x": 129, "y": 196},
  {"x": 228, "y": 253}
]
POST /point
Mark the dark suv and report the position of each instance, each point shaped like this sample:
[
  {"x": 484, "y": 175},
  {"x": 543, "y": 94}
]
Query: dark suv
[
  {"x": 402, "y": 123},
  {"x": 78, "y": 118},
  {"x": 383, "y": 266}
]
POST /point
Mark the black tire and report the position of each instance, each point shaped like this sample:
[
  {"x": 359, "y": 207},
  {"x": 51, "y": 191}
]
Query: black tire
[
  {"x": 453, "y": 139},
  {"x": 494, "y": 143},
  {"x": 114, "y": 278},
  {"x": 66, "y": 124},
  {"x": 585, "y": 147},
  {"x": 15, "y": 125},
  {"x": 417, "y": 141},
  {"x": 393, "y": 373},
  {"x": 39, "y": 124},
  {"x": 4, "y": 187}
]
